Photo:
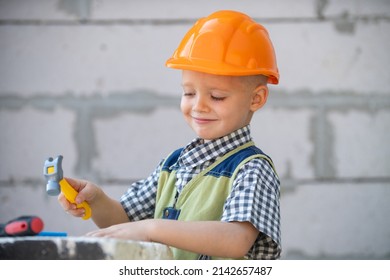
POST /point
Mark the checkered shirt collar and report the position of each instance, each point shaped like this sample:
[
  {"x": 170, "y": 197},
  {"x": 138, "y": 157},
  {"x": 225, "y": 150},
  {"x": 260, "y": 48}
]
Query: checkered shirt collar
[{"x": 199, "y": 151}]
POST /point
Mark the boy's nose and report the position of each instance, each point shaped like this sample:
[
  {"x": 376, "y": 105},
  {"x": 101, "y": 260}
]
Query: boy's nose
[{"x": 200, "y": 104}]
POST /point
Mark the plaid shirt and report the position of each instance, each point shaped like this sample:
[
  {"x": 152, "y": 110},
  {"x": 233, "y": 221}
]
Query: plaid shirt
[{"x": 254, "y": 197}]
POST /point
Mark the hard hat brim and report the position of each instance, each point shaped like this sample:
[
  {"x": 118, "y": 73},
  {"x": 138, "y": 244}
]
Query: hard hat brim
[{"x": 224, "y": 69}]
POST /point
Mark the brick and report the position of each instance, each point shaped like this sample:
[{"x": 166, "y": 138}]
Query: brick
[
  {"x": 29, "y": 136},
  {"x": 353, "y": 8},
  {"x": 138, "y": 9},
  {"x": 131, "y": 145},
  {"x": 87, "y": 59},
  {"x": 336, "y": 221},
  {"x": 361, "y": 147},
  {"x": 320, "y": 56},
  {"x": 26, "y": 10},
  {"x": 202, "y": 8},
  {"x": 286, "y": 137}
]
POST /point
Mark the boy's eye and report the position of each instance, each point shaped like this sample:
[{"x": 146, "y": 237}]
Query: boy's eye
[
  {"x": 217, "y": 98},
  {"x": 189, "y": 94}
]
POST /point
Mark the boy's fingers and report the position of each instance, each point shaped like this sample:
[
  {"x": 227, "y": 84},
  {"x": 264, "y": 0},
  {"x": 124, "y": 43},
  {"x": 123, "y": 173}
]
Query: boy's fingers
[
  {"x": 66, "y": 205},
  {"x": 76, "y": 184},
  {"x": 79, "y": 198},
  {"x": 70, "y": 208},
  {"x": 84, "y": 188},
  {"x": 78, "y": 212}
]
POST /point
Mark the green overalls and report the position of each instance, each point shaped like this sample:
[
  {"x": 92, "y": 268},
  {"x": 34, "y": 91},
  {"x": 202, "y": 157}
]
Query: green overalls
[{"x": 203, "y": 198}]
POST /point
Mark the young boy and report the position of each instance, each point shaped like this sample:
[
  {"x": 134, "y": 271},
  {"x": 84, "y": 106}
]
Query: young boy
[{"x": 218, "y": 197}]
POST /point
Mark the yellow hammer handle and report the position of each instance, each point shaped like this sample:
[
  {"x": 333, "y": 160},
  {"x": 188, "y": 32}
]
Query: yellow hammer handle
[{"x": 70, "y": 194}]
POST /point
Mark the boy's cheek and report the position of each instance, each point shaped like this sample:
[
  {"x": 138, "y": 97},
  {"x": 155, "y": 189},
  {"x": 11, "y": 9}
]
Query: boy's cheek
[{"x": 185, "y": 106}]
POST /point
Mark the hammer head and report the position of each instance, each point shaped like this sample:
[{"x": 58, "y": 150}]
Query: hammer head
[{"x": 52, "y": 170}]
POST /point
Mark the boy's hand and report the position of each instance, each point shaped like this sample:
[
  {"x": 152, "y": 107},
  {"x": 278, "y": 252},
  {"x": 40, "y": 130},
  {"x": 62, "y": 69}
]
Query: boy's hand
[
  {"x": 87, "y": 192},
  {"x": 213, "y": 238},
  {"x": 138, "y": 231}
]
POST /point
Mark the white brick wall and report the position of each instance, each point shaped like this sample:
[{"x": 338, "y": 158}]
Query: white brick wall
[
  {"x": 272, "y": 129},
  {"x": 127, "y": 142},
  {"x": 328, "y": 220},
  {"x": 97, "y": 91},
  {"x": 361, "y": 143},
  {"x": 28, "y": 136}
]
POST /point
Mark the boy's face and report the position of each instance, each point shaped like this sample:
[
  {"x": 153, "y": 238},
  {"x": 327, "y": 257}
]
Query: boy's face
[{"x": 215, "y": 105}]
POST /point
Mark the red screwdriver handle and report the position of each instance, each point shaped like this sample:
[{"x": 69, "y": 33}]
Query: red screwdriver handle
[{"x": 24, "y": 226}]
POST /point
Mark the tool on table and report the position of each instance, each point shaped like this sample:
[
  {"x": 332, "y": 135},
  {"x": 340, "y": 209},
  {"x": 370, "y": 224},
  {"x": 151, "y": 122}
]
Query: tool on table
[
  {"x": 26, "y": 226},
  {"x": 22, "y": 226},
  {"x": 52, "y": 234},
  {"x": 53, "y": 173}
]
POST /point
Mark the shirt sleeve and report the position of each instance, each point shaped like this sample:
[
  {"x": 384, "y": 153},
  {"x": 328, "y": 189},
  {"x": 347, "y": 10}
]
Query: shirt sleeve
[
  {"x": 140, "y": 199},
  {"x": 255, "y": 198}
]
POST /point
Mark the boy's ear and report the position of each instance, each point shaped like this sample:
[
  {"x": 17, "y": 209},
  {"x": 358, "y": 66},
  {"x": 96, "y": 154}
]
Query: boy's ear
[{"x": 260, "y": 95}]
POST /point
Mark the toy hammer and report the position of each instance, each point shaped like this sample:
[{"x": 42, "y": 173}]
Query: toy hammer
[{"x": 52, "y": 170}]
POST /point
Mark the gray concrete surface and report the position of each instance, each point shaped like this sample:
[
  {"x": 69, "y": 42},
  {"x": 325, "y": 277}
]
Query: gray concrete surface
[{"x": 80, "y": 248}]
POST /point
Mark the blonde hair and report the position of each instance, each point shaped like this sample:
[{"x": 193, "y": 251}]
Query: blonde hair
[{"x": 255, "y": 80}]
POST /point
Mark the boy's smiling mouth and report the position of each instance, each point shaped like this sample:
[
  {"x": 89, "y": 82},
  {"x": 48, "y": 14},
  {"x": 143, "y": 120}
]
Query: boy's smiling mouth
[{"x": 202, "y": 120}]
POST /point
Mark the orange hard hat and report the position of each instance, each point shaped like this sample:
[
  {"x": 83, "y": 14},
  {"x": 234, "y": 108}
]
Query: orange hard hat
[{"x": 227, "y": 43}]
